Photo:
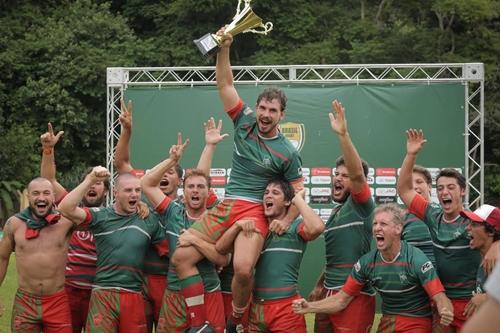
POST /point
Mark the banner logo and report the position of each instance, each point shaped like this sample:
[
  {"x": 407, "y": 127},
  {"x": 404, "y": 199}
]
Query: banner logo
[{"x": 295, "y": 133}]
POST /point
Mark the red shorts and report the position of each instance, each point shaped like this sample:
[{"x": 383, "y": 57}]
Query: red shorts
[
  {"x": 41, "y": 313},
  {"x": 400, "y": 324},
  {"x": 357, "y": 316},
  {"x": 458, "y": 318},
  {"x": 276, "y": 316},
  {"x": 79, "y": 299},
  {"x": 173, "y": 314},
  {"x": 226, "y": 213},
  {"x": 156, "y": 285},
  {"x": 114, "y": 310}
]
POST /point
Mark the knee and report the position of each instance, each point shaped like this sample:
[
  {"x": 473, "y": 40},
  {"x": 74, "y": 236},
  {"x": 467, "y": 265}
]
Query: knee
[{"x": 243, "y": 273}]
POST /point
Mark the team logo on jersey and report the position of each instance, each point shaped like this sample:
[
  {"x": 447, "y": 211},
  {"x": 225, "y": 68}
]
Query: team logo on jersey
[
  {"x": 403, "y": 278},
  {"x": 83, "y": 235},
  {"x": 357, "y": 266},
  {"x": 247, "y": 111},
  {"x": 426, "y": 267},
  {"x": 267, "y": 161},
  {"x": 295, "y": 133}
]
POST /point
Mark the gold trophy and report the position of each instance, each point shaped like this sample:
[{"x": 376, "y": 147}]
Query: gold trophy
[{"x": 245, "y": 20}]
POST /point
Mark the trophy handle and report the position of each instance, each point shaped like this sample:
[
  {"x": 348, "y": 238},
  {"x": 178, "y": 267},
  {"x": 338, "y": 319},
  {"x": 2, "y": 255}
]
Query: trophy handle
[{"x": 265, "y": 29}]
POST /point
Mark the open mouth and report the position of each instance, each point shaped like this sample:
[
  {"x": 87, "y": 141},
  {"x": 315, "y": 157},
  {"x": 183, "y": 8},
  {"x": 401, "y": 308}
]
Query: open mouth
[
  {"x": 379, "y": 239},
  {"x": 195, "y": 199},
  {"x": 132, "y": 202},
  {"x": 164, "y": 183},
  {"x": 337, "y": 189},
  {"x": 268, "y": 204},
  {"x": 446, "y": 203},
  {"x": 41, "y": 205},
  {"x": 91, "y": 194}
]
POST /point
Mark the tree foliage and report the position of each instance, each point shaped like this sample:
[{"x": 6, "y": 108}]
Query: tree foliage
[{"x": 54, "y": 54}]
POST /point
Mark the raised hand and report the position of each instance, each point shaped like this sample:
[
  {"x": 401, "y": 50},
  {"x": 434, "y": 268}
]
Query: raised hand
[
  {"x": 99, "y": 174},
  {"x": 177, "y": 150},
  {"x": 227, "y": 38},
  {"x": 337, "y": 120},
  {"x": 125, "y": 117},
  {"x": 212, "y": 132},
  {"x": 299, "y": 195},
  {"x": 415, "y": 141},
  {"x": 48, "y": 139}
]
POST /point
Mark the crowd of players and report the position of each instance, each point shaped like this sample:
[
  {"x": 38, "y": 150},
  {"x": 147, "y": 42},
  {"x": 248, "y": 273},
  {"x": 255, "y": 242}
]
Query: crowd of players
[{"x": 154, "y": 260}]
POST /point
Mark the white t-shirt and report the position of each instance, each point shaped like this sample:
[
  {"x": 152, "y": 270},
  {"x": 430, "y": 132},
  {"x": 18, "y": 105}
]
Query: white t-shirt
[{"x": 492, "y": 286}]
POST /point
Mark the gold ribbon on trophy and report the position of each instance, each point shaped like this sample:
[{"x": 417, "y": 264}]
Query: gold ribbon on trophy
[{"x": 245, "y": 20}]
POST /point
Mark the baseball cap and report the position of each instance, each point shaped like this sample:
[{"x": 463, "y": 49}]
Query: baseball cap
[{"x": 485, "y": 214}]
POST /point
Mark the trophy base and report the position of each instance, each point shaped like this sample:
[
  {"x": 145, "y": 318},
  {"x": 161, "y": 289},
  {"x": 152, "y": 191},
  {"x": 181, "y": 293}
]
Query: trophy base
[{"x": 207, "y": 45}]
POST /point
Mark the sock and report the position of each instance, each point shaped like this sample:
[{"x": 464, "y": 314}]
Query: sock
[
  {"x": 237, "y": 313},
  {"x": 193, "y": 292}
]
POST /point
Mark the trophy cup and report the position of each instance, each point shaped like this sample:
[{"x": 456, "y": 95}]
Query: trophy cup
[{"x": 245, "y": 20}]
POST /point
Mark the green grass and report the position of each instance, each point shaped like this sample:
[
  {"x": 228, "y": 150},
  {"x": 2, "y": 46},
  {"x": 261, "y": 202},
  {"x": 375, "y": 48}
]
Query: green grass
[
  {"x": 9, "y": 286},
  {"x": 7, "y": 291}
]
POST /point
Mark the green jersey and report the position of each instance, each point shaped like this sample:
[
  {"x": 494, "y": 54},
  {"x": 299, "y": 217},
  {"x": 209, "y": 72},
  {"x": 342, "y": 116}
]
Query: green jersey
[
  {"x": 348, "y": 235},
  {"x": 456, "y": 262},
  {"x": 404, "y": 284},
  {"x": 256, "y": 159},
  {"x": 175, "y": 219},
  {"x": 277, "y": 271},
  {"x": 416, "y": 233},
  {"x": 121, "y": 244}
]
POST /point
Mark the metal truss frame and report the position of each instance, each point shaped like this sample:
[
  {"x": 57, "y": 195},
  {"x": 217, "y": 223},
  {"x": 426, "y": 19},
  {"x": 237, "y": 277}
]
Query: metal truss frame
[{"x": 471, "y": 75}]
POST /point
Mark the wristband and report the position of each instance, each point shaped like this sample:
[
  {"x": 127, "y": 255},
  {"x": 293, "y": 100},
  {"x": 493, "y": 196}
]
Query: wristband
[{"x": 47, "y": 151}]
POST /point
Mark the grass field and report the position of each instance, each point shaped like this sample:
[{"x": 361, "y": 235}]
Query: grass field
[{"x": 9, "y": 286}]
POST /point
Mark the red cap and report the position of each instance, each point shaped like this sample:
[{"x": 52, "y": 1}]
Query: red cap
[{"x": 485, "y": 214}]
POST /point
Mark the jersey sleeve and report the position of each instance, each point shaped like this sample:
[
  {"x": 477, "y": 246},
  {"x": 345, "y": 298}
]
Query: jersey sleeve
[
  {"x": 363, "y": 202},
  {"x": 426, "y": 273},
  {"x": 212, "y": 200},
  {"x": 419, "y": 206},
  {"x": 352, "y": 287},
  {"x": 293, "y": 170},
  {"x": 91, "y": 218},
  {"x": 161, "y": 208},
  {"x": 235, "y": 112}
]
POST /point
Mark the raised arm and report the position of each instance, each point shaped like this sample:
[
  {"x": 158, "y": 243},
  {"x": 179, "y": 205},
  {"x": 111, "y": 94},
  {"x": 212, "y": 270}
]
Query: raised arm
[
  {"x": 187, "y": 238},
  {"x": 212, "y": 138},
  {"x": 352, "y": 160},
  {"x": 48, "y": 164},
  {"x": 69, "y": 205},
  {"x": 313, "y": 225},
  {"x": 332, "y": 304},
  {"x": 150, "y": 181},
  {"x": 414, "y": 143},
  {"x": 122, "y": 155},
  {"x": 6, "y": 248},
  {"x": 224, "y": 73}
]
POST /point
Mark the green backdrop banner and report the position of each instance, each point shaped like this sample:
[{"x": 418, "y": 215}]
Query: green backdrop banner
[{"x": 377, "y": 117}]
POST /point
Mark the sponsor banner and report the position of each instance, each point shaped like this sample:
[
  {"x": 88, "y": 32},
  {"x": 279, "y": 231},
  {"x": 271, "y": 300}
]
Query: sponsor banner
[
  {"x": 220, "y": 192},
  {"x": 229, "y": 172},
  {"x": 385, "y": 180},
  {"x": 306, "y": 171},
  {"x": 324, "y": 218},
  {"x": 180, "y": 192},
  {"x": 371, "y": 172},
  {"x": 315, "y": 191},
  {"x": 321, "y": 180},
  {"x": 385, "y": 191},
  {"x": 400, "y": 201},
  {"x": 217, "y": 172},
  {"x": 325, "y": 211},
  {"x": 307, "y": 180},
  {"x": 370, "y": 180},
  {"x": 434, "y": 199},
  {"x": 372, "y": 191},
  {"x": 320, "y": 171},
  {"x": 325, "y": 199},
  {"x": 218, "y": 180},
  {"x": 333, "y": 171},
  {"x": 385, "y": 172},
  {"x": 383, "y": 200}
]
